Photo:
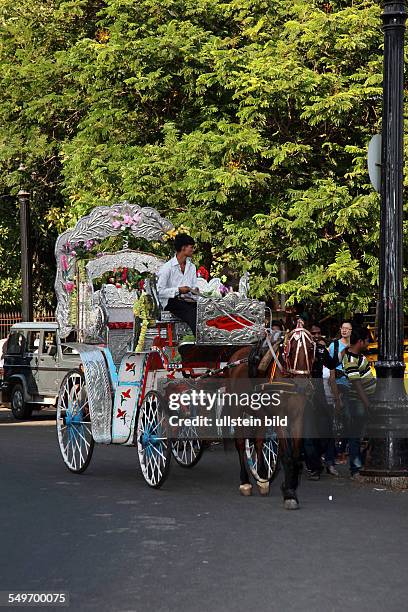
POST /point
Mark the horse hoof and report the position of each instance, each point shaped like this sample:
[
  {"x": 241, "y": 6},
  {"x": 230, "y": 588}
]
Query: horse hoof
[
  {"x": 263, "y": 487},
  {"x": 245, "y": 489},
  {"x": 291, "y": 504}
]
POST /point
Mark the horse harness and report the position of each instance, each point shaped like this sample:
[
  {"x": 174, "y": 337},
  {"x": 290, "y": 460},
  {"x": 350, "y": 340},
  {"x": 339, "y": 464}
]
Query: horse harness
[
  {"x": 260, "y": 363},
  {"x": 287, "y": 370}
]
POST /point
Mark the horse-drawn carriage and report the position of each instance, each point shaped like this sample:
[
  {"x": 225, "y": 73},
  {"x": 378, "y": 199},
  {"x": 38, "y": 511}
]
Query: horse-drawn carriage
[{"x": 116, "y": 394}]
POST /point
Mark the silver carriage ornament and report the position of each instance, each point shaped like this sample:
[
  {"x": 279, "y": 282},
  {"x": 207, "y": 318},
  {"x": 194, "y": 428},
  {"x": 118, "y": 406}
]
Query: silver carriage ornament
[
  {"x": 74, "y": 292},
  {"x": 232, "y": 320},
  {"x": 110, "y": 303}
]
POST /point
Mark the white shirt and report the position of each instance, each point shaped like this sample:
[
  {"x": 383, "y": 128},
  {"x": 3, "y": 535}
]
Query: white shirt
[{"x": 170, "y": 278}]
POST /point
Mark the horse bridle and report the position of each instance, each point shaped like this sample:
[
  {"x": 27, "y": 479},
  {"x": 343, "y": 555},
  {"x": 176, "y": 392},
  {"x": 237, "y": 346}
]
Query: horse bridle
[
  {"x": 304, "y": 334},
  {"x": 300, "y": 334}
]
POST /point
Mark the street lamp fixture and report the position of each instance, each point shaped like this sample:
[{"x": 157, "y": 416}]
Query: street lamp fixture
[{"x": 26, "y": 260}]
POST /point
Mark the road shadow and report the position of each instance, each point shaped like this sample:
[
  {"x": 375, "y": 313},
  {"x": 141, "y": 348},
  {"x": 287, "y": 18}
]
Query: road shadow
[{"x": 38, "y": 416}]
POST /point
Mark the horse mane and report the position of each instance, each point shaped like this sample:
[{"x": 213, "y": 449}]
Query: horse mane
[{"x": 254, "y": 359}]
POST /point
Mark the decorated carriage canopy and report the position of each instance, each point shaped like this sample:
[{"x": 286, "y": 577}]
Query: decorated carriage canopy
[{"x": 100, "y": 279}]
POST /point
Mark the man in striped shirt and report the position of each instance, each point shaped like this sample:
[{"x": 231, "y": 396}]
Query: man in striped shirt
[{"x": 362, "y": 386}]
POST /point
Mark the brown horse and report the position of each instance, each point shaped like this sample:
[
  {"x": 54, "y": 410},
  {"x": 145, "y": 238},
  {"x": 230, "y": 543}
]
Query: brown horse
[{"x": 286, "y": 365}]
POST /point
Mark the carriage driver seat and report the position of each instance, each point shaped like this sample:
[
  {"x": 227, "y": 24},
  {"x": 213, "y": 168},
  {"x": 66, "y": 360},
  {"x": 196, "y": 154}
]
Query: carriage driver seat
[
  {"x": 165, "y": 317},
  {"x": 162, "y": 316}
]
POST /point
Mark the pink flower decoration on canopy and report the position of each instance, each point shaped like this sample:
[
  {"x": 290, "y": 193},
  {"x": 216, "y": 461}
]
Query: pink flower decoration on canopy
[
  {"x": 64, "y": 263},
  {"x": 127, "y": 219},
  {"x": 69, "y": 286}
]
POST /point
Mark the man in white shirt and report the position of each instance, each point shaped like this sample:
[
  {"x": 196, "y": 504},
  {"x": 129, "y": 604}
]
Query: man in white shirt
[{"x": 176, "y": 279}]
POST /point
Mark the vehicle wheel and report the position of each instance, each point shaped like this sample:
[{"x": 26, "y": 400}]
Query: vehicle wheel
[
  {"x": 188, "y": 451},
  {"x": 19, "y": 407},
  {"x": 270, "y": 447},
  {"x": 74, "y": 423},
  {"x": 153, "y": 443}
]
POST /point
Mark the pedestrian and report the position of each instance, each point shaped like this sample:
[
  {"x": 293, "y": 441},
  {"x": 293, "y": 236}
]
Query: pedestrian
[
  {"x": 3, "y": 350},
  {"x": 318, "y": 432},
  {"x": 339, "y": 383},
  {"x": 362, "y": 386}
]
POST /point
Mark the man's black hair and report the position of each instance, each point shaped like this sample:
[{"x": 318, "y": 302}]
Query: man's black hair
[
  {"x": 359, "y": 333},
  {"x": 182, "y": 240},
  {"x": 315, "y": 324},
  {"x": 277, "y": 323},
  {"x": 346, "y": 321},
  {"x": 358, "y": 319}
]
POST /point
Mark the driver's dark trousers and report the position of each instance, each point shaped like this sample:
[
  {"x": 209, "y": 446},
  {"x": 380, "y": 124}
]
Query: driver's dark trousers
[{"x": 186, "y": 311}]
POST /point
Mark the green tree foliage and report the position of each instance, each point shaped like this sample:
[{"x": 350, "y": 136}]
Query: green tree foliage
[
  {"x": 247, "y": 121},
  {"x": 36, "y": 117}
]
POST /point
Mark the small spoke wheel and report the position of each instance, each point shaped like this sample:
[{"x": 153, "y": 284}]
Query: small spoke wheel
[
  {"x": 153, "y": 443},
  {"x": 74, "y": 423},
  {"x": 187, "y": 449},
  {"x": 270, "y": 447}
]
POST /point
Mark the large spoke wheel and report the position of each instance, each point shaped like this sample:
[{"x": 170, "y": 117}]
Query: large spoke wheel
[
  {"x": 153, "y": 443},
  {"x": 73, "y": 423},
  {"x": 187, "y": 449},
  {"x": 268, "y": 454}
]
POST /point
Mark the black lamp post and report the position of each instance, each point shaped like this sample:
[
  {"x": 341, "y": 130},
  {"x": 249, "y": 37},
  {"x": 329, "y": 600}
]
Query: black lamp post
[
  {"x": 388, "y": 423},
  {"x": 26, "y": 265}
]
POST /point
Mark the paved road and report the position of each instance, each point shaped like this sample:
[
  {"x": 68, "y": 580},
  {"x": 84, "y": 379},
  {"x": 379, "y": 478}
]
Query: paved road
[{"x": 195, "y": 545}]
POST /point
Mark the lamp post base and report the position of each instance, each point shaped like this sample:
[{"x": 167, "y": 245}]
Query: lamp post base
[
  {"x": 387, "y": 431},
  {"x": 397, "y": 483}
]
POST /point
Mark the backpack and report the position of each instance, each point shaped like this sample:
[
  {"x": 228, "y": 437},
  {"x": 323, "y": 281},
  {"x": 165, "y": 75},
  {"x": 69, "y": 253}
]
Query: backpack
[
  {"x": 339, "y": 373},
  {"x": 336, "y": 344}
]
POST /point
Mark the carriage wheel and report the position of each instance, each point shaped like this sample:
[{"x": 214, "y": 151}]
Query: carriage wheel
[
  {"x": 153, "y": 444},
  {"x": 187, "y": 452},
  {"x": 74, "y": 423},
  {"x": 270, "y": 447}
]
